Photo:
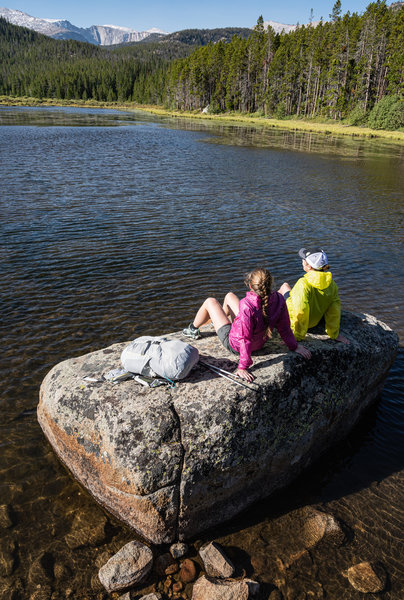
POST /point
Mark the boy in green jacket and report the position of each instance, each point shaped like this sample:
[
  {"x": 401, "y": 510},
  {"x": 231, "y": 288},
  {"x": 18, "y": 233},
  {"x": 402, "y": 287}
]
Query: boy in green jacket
[{"x": 314, "y": 296}]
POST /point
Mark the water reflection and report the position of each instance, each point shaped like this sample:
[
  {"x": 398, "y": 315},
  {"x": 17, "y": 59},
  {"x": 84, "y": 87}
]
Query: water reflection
[
  {"x": 63, "y": 117},
  {"x": 261, "y": 136}
]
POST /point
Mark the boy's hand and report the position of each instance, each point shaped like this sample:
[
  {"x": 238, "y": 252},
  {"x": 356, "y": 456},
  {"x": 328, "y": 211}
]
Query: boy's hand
[{"x": 303, "y": 351}]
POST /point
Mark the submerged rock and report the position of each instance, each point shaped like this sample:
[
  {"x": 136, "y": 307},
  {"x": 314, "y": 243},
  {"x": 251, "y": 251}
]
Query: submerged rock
[
  {"x": 171, "y": 463},
  {"x": 367, "y": 577},
  {"x": 210, "y": 588},
  {"x": 320, "y": 526}
]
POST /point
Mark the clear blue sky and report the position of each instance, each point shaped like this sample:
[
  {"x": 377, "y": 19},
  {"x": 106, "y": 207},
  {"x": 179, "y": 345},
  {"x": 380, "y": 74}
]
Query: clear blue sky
[{"x": 181, "y": 14}]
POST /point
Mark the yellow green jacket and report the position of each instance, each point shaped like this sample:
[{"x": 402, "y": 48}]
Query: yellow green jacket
[{"x": 313, "y": 296}]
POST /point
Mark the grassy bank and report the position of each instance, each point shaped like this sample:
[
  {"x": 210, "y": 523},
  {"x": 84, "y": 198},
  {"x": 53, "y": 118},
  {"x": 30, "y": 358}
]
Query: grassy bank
[
  {"x": 328, "y": 127},
  {"x": 28, "y": 101},
  {"x": 317, "y": 126}
]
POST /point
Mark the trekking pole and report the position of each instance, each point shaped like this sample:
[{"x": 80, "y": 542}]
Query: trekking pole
[{"x": 227, "y": 375}]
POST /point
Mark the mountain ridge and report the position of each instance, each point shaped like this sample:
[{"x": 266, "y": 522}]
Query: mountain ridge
[{"x": 100, "y": 35}]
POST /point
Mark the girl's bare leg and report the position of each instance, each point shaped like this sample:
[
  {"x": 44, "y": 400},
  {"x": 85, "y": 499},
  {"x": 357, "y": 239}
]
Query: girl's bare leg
[
  {"x": 231, "y": 305},
  {"x": 211, "y": 309}
]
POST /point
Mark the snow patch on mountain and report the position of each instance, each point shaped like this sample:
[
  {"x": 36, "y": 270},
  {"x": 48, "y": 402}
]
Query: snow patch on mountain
[
  {"x": 279, "y": 27},
  {"x": 103, "y": 35}
]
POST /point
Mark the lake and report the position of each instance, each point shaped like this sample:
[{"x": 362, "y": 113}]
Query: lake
[{"x": 118, "y": 224}]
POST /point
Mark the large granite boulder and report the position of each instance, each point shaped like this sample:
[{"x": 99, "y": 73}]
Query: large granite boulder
[{"x": 172, "y": 462}]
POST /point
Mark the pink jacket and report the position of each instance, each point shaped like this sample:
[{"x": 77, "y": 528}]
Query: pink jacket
[{"x": 247, "y": 332}]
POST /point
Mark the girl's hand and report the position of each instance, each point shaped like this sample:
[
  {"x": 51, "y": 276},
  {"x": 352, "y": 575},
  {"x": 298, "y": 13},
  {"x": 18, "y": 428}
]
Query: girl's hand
[
  {"x": 244, "y": 374},
  {"x": 303, "y": 351}
]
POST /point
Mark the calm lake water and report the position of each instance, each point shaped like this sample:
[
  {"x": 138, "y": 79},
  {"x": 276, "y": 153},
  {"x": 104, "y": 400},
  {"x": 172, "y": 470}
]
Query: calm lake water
[{"x": 117, "y": 224}]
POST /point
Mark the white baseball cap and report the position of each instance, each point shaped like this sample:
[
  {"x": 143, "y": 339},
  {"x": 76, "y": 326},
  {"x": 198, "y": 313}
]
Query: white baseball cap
[{"x": 315, "y": 257}]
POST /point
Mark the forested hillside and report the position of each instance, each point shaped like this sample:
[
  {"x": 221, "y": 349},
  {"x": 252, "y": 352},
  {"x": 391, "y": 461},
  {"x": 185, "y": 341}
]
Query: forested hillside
[
  {"x": 35, "y": 65},
  {"x": 346, "y": 64},
  {"x": 350, "y": 66},
  {"x": 202, "y": 37}
]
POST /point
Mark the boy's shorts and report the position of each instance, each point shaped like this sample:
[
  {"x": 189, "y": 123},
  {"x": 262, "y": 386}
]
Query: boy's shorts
[{"x": 223, "y": 335}]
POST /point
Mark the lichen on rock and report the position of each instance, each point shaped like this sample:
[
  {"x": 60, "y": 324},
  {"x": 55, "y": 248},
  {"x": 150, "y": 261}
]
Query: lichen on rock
[{"x": 171, "y": 463}]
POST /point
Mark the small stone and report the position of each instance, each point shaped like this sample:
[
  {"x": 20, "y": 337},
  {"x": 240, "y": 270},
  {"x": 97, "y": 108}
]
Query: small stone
[
  {"x": 367, "y": 577},
  {"x": 188, "y": 571},
  {"x": 171, "y": 569},
  {"x": 179, "y": 550},
  {"x": 168, "y": 583},
  {"x": 130, "y": 565},
  {"x": 177, "y": 587},
  {"x": 215, "y": 561},
  {"x": 153, "y": 596}
]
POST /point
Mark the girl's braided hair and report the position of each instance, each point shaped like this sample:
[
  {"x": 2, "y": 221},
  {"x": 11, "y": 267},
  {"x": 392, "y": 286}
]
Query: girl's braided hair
[{"x": 260, "y": 281}]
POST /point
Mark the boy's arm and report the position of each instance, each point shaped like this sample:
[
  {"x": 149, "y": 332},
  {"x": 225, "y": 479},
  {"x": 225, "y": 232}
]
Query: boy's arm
[
  {"x": 299, "y": 311},
  {"x": 332, "y": 316}
]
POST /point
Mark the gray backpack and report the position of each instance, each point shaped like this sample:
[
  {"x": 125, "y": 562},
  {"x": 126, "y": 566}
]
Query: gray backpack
[{"x": 159, "y": 356}]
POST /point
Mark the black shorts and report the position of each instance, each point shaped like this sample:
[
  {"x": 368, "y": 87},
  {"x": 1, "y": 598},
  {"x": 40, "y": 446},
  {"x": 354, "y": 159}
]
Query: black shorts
[{"x": 223, "y": 335}]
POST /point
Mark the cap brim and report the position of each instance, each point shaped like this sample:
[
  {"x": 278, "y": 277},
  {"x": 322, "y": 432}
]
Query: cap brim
[{"x": 302, "y": 253}]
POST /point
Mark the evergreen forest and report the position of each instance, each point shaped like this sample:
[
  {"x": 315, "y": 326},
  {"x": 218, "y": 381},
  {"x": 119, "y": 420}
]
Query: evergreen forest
[{"x": 348, "y": 67}]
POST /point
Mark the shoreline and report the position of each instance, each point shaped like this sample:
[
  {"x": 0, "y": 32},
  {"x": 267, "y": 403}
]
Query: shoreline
[{"x": 325, "y": 128}]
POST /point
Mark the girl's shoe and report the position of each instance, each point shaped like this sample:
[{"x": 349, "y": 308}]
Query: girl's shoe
[{"x": 192, "y": 332}]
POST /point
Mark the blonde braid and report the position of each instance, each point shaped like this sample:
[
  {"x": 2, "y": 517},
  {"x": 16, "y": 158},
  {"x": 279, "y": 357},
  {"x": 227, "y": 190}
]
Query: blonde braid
[{"x": 260, "y": 280}]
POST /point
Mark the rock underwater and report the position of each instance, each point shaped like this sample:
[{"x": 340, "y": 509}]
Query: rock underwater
[{"x": 173, "y": 462}]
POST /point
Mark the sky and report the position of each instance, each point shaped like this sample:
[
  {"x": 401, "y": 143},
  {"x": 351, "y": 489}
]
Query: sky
[{"x": 174, "y": 15}]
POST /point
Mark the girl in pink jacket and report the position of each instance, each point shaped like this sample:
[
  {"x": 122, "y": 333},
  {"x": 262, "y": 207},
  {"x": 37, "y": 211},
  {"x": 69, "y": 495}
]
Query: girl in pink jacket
[{"x": 245, "y": 325}]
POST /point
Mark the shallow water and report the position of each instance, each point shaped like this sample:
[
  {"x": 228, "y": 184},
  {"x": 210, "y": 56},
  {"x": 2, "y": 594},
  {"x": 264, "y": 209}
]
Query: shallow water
[{"x": 116, "y": 224}]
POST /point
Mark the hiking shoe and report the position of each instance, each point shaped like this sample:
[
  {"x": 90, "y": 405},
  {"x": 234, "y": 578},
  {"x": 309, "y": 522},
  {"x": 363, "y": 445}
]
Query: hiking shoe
[{"x": 192, "y": 332}]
